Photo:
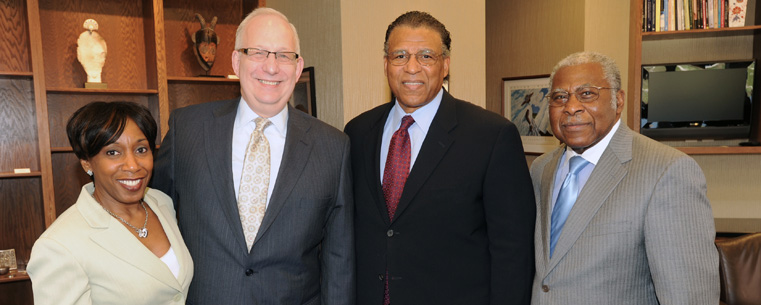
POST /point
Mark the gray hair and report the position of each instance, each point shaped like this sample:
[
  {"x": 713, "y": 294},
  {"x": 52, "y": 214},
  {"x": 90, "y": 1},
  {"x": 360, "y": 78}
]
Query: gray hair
[
  {"x": 264, "y": 11},
  {"x": 609, "y": 68}
]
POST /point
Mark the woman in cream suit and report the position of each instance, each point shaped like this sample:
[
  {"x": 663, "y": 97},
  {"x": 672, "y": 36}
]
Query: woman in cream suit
[{"x": 119, "y": 243}]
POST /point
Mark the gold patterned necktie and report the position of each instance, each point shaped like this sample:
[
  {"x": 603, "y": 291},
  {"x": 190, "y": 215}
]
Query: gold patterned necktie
[{"x": 254, "y": 182}]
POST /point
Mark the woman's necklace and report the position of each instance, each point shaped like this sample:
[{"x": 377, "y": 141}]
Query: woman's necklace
[{"x": 142, "y": 232}]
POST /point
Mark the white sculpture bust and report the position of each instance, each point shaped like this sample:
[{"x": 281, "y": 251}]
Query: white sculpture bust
[{"x": 91, "y": 51}]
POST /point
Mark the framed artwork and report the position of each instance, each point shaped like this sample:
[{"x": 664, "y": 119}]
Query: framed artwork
[
  {"x": 525, "y": 104},
  {"x": 303, "y": 97}
]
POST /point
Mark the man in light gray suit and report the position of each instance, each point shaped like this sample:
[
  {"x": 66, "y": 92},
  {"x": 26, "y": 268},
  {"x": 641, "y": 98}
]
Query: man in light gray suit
[
  {"x": 629, "y": 221},
  {"x": 226, "y": 163}
]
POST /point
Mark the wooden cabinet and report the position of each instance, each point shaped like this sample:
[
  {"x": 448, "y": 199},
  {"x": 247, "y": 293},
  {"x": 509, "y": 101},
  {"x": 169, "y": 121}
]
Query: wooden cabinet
[
  {"x": 706, "y": 45},
  {"x": 150, "y": 61}
]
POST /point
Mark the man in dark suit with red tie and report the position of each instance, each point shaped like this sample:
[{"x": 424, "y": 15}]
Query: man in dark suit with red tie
[{"x": 444, "y": 203}]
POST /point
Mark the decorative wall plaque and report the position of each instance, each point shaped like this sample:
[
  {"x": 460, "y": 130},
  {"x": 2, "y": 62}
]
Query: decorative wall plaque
[
  {"x": 205, "y": 43},
  {"x": 8, "y": 258}
]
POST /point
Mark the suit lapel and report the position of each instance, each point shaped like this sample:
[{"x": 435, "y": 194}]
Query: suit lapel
[
  {"x": 372, "y": 146},
  {"x": 547, "y": 184},
  {"x": 606, "y": 175},
  {"x": 218, "y": 144},
  {"x": 113, "y": 237},
  {"x": 298, "y": 147},
  {"x": 434, "y": 147},
  {"x": 175, "y": 240}
]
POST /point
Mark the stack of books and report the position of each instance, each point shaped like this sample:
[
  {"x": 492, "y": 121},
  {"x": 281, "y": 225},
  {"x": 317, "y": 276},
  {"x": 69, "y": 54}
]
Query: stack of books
[{"x": 679, "y": 15}]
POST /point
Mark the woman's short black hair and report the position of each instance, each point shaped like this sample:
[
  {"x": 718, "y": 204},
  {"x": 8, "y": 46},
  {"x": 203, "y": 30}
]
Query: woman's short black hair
[{"x": 98, "y": 124}]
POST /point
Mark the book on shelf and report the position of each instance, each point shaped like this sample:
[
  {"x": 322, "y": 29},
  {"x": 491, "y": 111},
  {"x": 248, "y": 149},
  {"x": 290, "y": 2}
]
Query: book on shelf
[
  {"x": 650, "y": 9},
  {"x": 658, "y": 15},
  {"x": 687, "y": 15},
  {"x": 750, "y": 17},
  {"x": 703, "y": 14},
  {"x": 672, "y": 15},
  {"x": 678, "y": 15},
  {"x": 737, "y": 12}
]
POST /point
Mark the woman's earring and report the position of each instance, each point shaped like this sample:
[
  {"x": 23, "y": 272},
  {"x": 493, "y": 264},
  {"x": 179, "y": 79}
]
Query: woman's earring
[{"x": 89, "y": 172}]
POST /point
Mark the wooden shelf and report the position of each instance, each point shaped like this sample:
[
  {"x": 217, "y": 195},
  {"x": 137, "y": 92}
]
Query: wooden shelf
[
  {"x": 721, "y": 150},
  {"x": 103, "y": 91},
  {"x": 14, "y": 276},
  {"x": 16, "y": 73},
  {"x": 700, "y": 33},
  {"x": 202, "y": 79},
  {"x": 14, "y": 175}
]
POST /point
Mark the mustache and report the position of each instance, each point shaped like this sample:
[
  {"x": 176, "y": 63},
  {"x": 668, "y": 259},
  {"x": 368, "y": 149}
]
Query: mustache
[{"x": 573, "y": 120}]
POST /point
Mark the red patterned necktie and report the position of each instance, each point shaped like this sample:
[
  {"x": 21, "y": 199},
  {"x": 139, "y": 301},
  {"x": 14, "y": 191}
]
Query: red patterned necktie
[
  {"x": 395, "y": 175},
  {"x": 397, "y": 166}
]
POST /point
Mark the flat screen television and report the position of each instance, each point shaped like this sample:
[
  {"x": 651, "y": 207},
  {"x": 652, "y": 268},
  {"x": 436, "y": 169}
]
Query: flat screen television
[{"x": 697, "y": 101}]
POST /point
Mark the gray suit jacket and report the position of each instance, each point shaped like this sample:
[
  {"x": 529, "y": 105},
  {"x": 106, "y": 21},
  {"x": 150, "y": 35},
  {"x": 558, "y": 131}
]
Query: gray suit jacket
[
  {"x": 304, "y": 251},
  {"x": 641, "y": 231}
]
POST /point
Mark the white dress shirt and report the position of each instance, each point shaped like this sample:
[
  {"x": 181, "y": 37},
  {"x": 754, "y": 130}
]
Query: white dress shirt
[
  {"x": 171, "y": 261},
  {"x": 423, "y": 117},
  {"x": 275, "y": 134}
]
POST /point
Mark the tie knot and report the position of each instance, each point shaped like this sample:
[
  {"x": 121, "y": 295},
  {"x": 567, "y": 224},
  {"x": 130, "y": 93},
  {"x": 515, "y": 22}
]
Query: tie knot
[
  {"x": 261, "y": 123},
  {"x": 407, "y": 121},
  {"x": 577, "y": 163}
]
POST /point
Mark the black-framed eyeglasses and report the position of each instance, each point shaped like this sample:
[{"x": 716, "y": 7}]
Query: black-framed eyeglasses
[
  {"x": 425, "y": 58},
  {"x": 584, "y": 94},
  {"x": 261, "y": 55}
]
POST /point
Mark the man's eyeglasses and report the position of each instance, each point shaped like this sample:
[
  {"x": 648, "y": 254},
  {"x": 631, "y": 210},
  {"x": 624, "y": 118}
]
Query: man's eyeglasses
[
  {"x": 425, "y": 58},
  {"x": 586, "y": 94},
  {"x": 262, "y": 55}
]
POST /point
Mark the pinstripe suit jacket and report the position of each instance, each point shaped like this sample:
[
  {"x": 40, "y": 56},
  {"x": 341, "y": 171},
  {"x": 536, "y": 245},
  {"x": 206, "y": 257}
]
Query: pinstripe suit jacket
[
  {"x": 641, "y": 231},
  {"x": 304, "y": 251}
]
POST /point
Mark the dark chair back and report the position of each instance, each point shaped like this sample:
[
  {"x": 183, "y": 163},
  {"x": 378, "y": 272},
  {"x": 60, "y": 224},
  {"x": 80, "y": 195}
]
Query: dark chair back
[{"x": 740, "y": 269}]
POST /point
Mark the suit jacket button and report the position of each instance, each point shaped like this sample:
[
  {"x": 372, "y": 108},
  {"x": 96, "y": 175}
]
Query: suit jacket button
[
  {"x": 249, "y": 272},
  {"x": 390, "y": 233},
  {"x": 380, "y": 277},
  {"x": 545, "y": 288}
]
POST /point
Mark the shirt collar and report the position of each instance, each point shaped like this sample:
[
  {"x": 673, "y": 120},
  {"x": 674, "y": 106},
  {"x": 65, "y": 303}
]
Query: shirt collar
[
  {"x": 594, "y": 153},
  {"x": 246, "y": 115},
  {"x": 423, "y": 116}
]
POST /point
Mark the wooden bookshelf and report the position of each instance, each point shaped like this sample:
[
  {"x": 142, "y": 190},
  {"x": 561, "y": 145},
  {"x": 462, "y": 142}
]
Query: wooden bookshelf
[
  {"x": 701, "y": 45},
  {"x": 150, "y": 61}
]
